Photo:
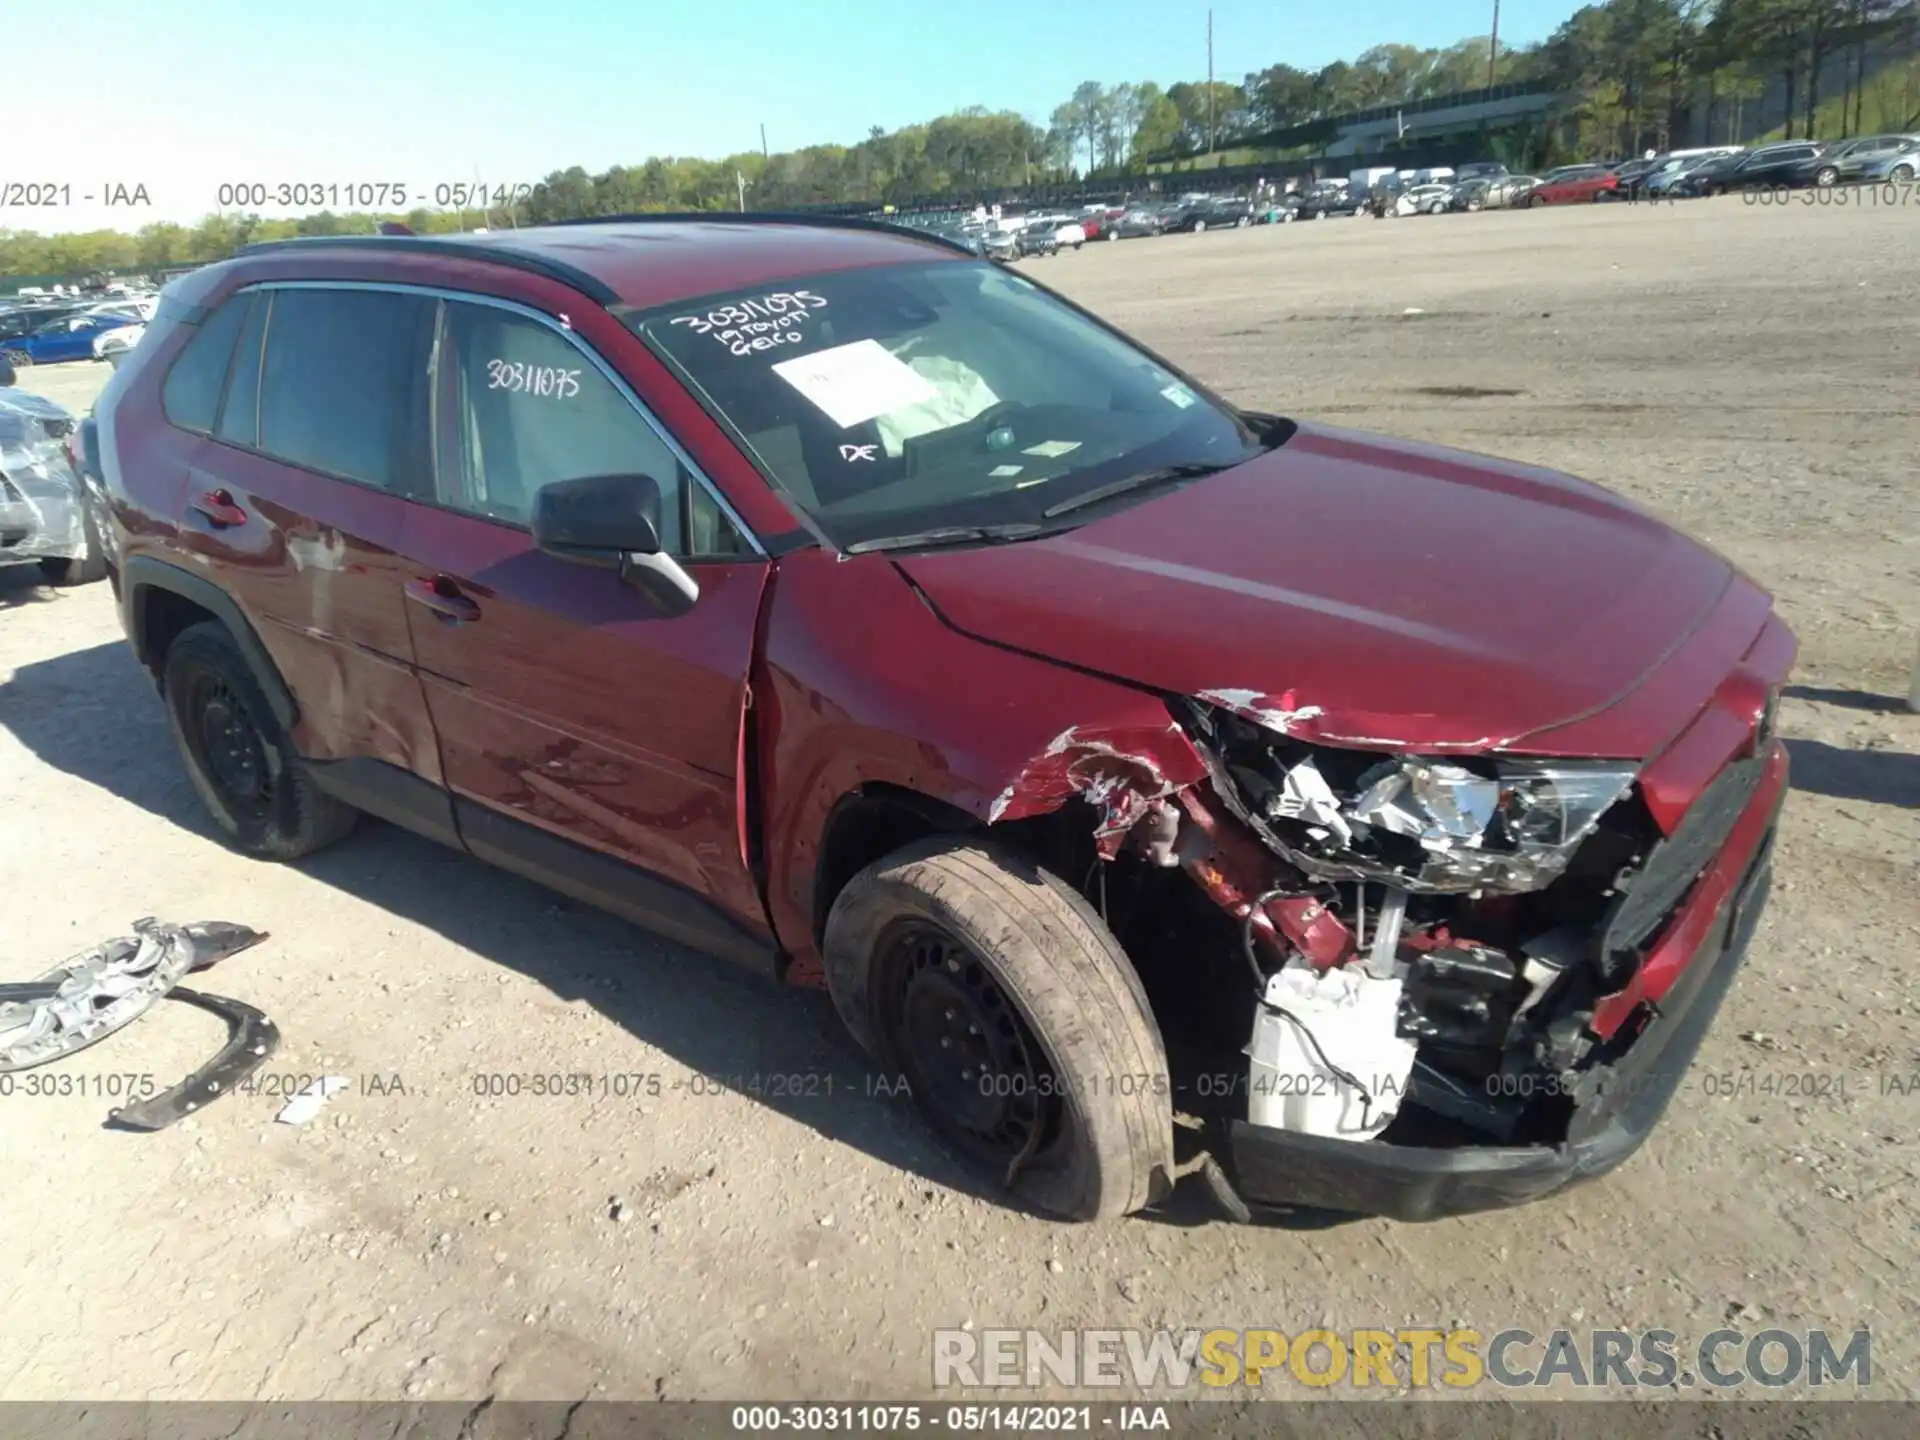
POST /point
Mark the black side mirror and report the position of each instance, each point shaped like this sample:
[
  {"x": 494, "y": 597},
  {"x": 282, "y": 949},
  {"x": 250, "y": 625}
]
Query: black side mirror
[
  {"x": 613, "y": 521},
  {"x": 598, "y": 519}
]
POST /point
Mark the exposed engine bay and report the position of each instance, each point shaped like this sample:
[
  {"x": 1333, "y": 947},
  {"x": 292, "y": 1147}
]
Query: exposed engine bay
[
  {"x": 1475, "y": 894},
  {"x": 1418, "y": 943}
]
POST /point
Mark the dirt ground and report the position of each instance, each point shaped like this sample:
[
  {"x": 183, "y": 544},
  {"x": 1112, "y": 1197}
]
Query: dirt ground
[{"x": 1747, "y": 371}]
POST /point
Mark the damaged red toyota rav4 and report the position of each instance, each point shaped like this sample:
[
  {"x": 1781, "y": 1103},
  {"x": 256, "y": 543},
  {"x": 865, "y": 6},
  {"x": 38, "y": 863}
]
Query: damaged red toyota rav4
[{"x": 1160, "y": 788}]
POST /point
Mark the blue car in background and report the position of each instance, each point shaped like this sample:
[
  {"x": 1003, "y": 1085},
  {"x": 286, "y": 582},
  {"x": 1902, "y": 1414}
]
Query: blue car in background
[{"x": 68, "y": 338}]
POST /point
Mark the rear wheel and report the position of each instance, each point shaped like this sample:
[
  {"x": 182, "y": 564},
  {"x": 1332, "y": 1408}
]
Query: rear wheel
[
  {"x": 239, "y": 758},
  {"x": 1901, "y": 174},
  {"x": 1825, "y": 176},
  {"x": 1198, "y": 226},
  {"x": 1016, "y": 1019},
  {"x": 19, "y": 359}
]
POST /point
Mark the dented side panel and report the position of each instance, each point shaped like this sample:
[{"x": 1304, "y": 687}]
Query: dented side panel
[{"x": 859, "y": 683}]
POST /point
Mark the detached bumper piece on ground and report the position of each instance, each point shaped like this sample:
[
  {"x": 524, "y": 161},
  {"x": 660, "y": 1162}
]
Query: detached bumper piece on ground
[{"x": 103, "y": 990}]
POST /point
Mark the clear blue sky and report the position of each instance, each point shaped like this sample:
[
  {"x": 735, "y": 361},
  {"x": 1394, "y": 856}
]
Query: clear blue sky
[{"x": 181, "y": 95}]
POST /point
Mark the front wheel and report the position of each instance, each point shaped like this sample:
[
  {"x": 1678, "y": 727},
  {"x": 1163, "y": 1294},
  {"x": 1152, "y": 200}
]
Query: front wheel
[
  {"x": 1901, "y": 174},
  {"x": 19, "y": 359},
  {"x": 1825, "y": 176},
  {"x": 1017, "y": 1021},
  {"x": 1198, "y": 226}
]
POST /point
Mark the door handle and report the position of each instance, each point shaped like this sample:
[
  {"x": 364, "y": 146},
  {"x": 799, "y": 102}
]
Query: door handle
[
  {"x": 218, "y": 509},
  {"x": 441, "y": 595}
]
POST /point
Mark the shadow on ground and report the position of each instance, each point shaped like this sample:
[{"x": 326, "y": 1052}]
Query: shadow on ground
[
  {"x": 93, "y": 714},
  {"x": 1845, "y": 699},
  {"x": 1885, "y": 777},
  {"x": 24, "y": 585}
]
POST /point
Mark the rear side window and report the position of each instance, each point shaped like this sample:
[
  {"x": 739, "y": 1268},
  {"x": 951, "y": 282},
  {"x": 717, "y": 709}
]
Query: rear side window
[
  {"x": 190, "y": 394},
  {"x": 343, "y": 386},
  {"x": 240, "y": 411}
]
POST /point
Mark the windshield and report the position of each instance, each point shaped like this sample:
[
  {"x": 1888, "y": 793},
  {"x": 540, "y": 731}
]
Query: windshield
[{"x": 900, "y": 399}]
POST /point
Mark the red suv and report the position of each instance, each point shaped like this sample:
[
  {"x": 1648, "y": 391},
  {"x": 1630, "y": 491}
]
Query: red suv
[{"x": 1158, "y": 787}]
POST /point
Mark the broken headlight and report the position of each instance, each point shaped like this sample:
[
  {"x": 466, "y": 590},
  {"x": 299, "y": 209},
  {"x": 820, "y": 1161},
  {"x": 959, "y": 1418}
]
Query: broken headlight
[{"x": 1439, "y": 826}]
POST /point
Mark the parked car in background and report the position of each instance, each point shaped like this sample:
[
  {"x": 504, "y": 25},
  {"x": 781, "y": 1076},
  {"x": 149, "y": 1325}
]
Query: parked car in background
[
  {"x": 1222, "y": 212},
  {"x": 1761, "y": 168},
  {"x": 59, "y": 340},
  {"x": 112, "y": 345},
  {"x": 1571, "y": 184},
  {"x": 22, "y": 319},
  {"x": 1847, "y": 162},
  {"x": 1139, "y": 222},
  {"x": 1501, "y": 192},
  {"x": 1039, "y": 237},
  {"x": 1068, "y": 233},
  {"x": 1900, "y": 166},
  {"x": 1430, "y": 199},
  {"x": 1329, "y": 198},
  {"x": 1660, "y": 184}
]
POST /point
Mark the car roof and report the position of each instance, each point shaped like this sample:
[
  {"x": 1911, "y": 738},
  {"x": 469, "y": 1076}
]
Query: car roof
[{"x": 646, "y": 260}]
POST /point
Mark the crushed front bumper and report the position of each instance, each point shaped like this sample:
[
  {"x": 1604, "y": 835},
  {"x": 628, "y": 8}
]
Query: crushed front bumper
[{"x": 1270, "y": 1167}]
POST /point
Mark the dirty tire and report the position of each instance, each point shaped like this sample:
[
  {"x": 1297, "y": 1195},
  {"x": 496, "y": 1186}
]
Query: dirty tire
[
  {"x": 286, "y": 815},
  {"x": 1107, "y": 1153},
  {"x": 19, "y": 359},
  {"x": 65, "y": 570}
]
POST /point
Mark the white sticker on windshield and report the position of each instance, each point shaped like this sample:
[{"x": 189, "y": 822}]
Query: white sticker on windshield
[
  {"x": 856, "y": 383},
  {"x": 1179, "y": 395},
  {"x": 1052, "y": 449},
  {"x": 1000, "y": 472}
]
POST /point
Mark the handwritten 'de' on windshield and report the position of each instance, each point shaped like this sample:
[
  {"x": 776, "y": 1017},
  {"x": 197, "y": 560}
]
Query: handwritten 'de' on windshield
[{"x": 758, "y": 324}]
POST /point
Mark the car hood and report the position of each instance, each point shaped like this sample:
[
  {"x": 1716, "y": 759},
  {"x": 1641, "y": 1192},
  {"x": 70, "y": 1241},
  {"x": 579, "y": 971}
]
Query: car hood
[{"x": 1374, "y": 592}]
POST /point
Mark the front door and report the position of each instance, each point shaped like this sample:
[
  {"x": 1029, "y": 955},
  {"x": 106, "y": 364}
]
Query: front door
[{"x": 568, "y": 708}]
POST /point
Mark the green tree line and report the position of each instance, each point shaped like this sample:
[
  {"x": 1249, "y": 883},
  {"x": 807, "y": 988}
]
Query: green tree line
[{"x": 1636, "y": 72}]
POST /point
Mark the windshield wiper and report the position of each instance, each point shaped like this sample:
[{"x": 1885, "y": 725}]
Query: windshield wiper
[
  {"x": 1166, "y": 474},
  {"x": 945, "y": 535}
]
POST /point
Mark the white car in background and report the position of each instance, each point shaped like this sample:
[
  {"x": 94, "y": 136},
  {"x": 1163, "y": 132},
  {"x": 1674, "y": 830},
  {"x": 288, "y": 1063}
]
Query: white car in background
[
  {"x": 1429, "y": 199},
  {"x": 112, "y": 345}
]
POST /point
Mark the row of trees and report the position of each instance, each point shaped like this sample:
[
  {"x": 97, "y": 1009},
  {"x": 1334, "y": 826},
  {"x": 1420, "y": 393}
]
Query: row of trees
[{"x": 1638, "y": 72}]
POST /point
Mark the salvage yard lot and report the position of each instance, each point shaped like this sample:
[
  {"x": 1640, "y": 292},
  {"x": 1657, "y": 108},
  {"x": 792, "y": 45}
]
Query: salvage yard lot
[{"x": 657, "y": 1229}]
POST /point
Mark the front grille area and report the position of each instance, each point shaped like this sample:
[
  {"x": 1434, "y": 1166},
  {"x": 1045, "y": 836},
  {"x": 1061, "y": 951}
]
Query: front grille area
[{"x": 1651, "y": 896}]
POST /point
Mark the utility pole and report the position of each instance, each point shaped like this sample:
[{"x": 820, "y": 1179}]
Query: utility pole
[
  {"x": 1493, "y": 50},
  {"x": 1209, "y": 82},
  {"x": 741, "y": 180},
  {"x": 763, "y": 141}
]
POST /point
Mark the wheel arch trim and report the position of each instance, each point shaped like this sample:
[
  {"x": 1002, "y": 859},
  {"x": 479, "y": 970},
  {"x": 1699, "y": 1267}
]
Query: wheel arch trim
[{"x": 141, "y": 575}]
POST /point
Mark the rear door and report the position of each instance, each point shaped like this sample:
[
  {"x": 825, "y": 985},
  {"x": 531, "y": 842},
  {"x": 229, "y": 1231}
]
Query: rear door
[
  {"x": 568, "y": 709},
  {"x": 296, "y": 504}
]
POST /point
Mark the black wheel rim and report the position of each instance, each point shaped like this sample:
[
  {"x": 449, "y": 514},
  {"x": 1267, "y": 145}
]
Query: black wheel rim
[
  {"x": 971, "y": 1061},
  {"x": 228, "y": 744}
]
